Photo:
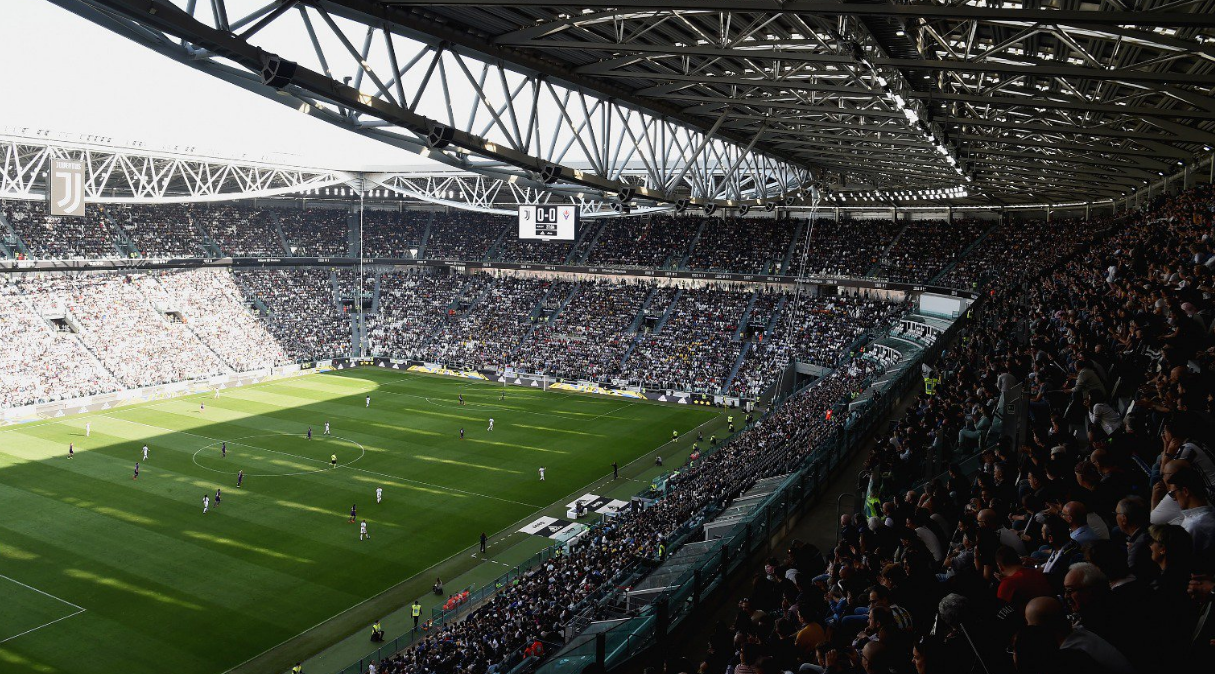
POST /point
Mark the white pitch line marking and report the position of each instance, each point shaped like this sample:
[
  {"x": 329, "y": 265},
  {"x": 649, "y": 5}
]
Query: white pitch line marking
[{"x": 78, "y": 611}]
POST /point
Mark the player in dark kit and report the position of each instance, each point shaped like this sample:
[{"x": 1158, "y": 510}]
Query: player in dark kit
[
  {"x": 218, "y": 495},
  {"x": 461, "y": 433},
  {"x": 240, "y": 477},
  {"x": 354, "y": 512},
  {"x": 223, "y": 450},
  {"x": 309, "y": 432},
  {"x": 71, "y": 450},
  {"x": 461, "y": 398},
  {"x": 136, "y": 476}
]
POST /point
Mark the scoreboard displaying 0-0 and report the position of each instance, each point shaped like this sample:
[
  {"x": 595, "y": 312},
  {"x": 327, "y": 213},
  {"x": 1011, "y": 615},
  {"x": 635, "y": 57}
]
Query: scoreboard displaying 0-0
[{"x": 548, "y": 222}]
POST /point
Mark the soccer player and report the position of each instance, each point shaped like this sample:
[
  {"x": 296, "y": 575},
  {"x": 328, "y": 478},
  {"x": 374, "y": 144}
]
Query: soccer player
[
  {"x": 145, "y": 451},
  {"x": 206, "y": 503},
  {"x": 461, "y": 432},
  {"x": 615, "y": 471},
  {"x": 202, "y": 408},
  {"x": 368, "y": 401},
  {"x": 136, "y": 476},
  {"x": 354, "y": 512},
  {"x": 363, "y": 531},
  {"x": 461, "y": 398},
  {"x": 379, "y": 494},
  {"x": 309, "y": 432},
  {"x": 71, "y": 450},
  {"x": 326, "y": 428},
  {"x": 542, "y": 473},
  {"x": 88, "y": 428},
  {"x": 218, "y": 495},
  {"x": 240, "y": 477},
  {"x": 491, "y": 424},
  {"x": 223, "y": 449},
  {"x": 333, "y": 460},
  {"x": 216, "y": 393}
]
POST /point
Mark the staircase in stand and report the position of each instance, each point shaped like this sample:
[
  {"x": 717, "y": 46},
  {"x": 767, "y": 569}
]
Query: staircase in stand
[
  {"x": 797, "y": 237},
  {"x": 746, "y": 315},
  {"x": 738, "y": 362},
  {"x": 687, "y": 256},
  {"x": 873, "y": 271},
  {"x": 961, "y": 256}
]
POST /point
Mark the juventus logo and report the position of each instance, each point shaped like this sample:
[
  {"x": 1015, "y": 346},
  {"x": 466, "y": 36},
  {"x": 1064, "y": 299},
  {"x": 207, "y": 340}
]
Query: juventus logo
[{"x": 67, "y": 187}]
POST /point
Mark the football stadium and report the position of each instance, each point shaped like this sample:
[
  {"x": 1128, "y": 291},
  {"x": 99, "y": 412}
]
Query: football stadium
[{"x": 712, "y": 337}]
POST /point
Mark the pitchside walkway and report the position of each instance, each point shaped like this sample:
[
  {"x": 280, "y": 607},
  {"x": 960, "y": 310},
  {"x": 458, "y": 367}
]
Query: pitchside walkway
[{"x": 350, "y": 632}]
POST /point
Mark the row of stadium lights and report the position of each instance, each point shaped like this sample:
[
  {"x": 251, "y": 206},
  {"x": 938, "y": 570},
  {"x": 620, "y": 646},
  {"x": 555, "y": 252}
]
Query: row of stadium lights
[
  {"x": 882, "y": 195},
  {"x": 347, "y": 192}
]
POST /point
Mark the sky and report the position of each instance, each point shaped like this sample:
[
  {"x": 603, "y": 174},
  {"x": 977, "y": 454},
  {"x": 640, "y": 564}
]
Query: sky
[{"x": 64, "y": 73}]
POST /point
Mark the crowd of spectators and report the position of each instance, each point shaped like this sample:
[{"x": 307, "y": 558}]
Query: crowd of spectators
[
  {"x": 241, "y": 231},
  {"x": 316, "y": 232},
  {"x": 842, "y": 248},
  {"x": 390, "y": 233},
  {"x": 465, "y": 235},
  {"x": 490, "y": 334},
  {"x": 1011, "y": 245},
  {"x": 927, "y": 247},
  {"x": 649, "y": 242},
  {"x": 514, "y": 249},
  {"x": 529, "y": 616},
  {"x": 414, "y": 308},
  {"x": 1090, "y": 547},
  {"x": 743, "y": 245},
  {"x": 303, "y": 311},
  {"x": 589, "y": 338},
  {"x": 164, "y": 230},
  {"x": 60, "y": 237},
  {"x": 39, "y": 363},
  {"x": 214, "y": 309},
  {"x": 137, "y": 343},
  {"x": 695, "y": 349}
]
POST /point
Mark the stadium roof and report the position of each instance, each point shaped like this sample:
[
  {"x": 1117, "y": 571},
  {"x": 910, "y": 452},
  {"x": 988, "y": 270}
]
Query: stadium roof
[{"x": 733, "y": 100}]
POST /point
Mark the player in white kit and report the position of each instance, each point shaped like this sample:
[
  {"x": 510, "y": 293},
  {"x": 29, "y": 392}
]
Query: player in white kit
[
  {"x": 379, "y": 494},
  {"x": 542, "y": 473},
  {"x": 88, "y": 429},
  {"x": 206, "y": 503},
  {"x": 491, "y": 424},
  {"x": 363, "y": 531},
  {"x": 326, "y": 428},
  {"x": 368, "y": 401},
  {"x": 145, "y": 452}
]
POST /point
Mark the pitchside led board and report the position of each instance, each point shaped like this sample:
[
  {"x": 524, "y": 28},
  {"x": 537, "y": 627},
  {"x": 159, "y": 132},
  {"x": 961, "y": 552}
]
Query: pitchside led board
[
  {"x": 67, "y": 187},
  {"x": 548, "y": 223}
]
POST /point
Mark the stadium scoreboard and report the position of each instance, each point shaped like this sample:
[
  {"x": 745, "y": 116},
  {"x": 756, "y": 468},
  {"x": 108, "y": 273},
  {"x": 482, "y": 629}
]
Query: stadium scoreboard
[{"x": 548, "y": 222}]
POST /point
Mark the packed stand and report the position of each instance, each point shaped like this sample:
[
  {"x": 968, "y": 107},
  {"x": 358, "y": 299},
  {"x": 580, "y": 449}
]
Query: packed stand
[
  {"x": 159, "y": 231},
  {"x": 743, "y": 245},
  {"x": 40, "y": 363},
  {"x": 1012, "y": 245},
  {"x": 214, "y": 309},
  {"x": 649, "y": 243},
  {"x": 927, "y": 247},
  {"x": 514, "y": 249},
  {"x": 137, "y": 343},
  {"x": 393, "y": 233},
  {"x": 241, "y": 231},
  {"x": 530, "y": 617},
  {"x": 843, "y": 248},
  {"x": 491, "y": 332},
  {"x": 315, "y": 232},
  {"x": 765, "y": 360},
  {"x": 465, "y": 235},
  {"x": 695, "y": 349},
  {"x": 1090, "y": 547},
  {"x": 589, "y": 338},
  {"x": 413, "y": 309},
  {"x": 304, "y": 316},
  {"x": 53, "y": 237}
]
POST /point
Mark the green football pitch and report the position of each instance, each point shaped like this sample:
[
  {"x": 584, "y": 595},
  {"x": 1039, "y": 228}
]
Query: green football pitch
[{"x": 102, "y": 573}]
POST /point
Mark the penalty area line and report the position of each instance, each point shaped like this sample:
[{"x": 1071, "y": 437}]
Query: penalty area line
[{"x": 78, "y": 611}]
